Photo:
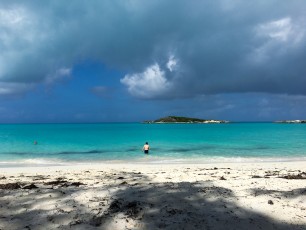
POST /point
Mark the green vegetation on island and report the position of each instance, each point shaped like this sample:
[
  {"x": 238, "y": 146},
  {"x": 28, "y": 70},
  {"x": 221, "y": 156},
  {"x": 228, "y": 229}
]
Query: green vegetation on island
[{"x": 176, "y": 119}]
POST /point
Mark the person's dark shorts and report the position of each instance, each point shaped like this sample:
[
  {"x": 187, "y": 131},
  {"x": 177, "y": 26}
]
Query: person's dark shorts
[{"x": 146, "y": 151}]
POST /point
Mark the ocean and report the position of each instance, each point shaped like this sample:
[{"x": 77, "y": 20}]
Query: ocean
[{"x": 60, "y": 144}]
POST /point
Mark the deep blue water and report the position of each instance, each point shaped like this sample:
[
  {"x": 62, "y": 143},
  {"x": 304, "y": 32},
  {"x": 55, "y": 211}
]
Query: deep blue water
[{"x": 169, "y": 142}]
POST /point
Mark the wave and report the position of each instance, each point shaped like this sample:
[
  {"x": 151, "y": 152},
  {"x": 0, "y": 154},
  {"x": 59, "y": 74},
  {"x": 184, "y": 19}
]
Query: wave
[
  {"x": 150, "y": 159},
  {"x": 33, "y": 162}
]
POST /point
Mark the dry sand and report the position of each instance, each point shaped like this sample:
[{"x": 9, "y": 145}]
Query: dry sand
[{"x": 143, "y": 196}]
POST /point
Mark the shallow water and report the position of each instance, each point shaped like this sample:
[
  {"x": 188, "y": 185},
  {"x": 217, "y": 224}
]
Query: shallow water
[{"x": 115, "y": 142}]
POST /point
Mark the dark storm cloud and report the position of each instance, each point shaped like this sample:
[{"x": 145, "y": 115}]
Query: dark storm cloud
[
  {"x": 252, "y": 106},
  {"x": 168, "y": 49}
]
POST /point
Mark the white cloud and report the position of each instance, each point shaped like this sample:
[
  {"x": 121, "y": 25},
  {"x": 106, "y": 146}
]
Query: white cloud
[
  {"x": 172, "y": 63},
  {"x": 60, "y": 74},
  {"x": 281, "y": 35},
  {"x": 278, "y": 29},
  {"x": 282, "y": 30},
  {"x": 18, "y": 28},
  {"x": 150, "y": 83},
  {"x": 7, "y": 89},
  {"x": 11, "y": 16}
]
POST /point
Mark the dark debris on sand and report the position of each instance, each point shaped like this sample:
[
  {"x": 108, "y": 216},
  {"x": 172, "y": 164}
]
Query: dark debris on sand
[
  {"x": 31, "y": 186},
  {"x": 10, "y": 186},
  {"x": 132, "y": 209},
  {"x": 256, "y": 176},
  {"x": 63, "y": 183},
  {"x": 56, "y": 182},
  {"x": 300, "y": 176}
]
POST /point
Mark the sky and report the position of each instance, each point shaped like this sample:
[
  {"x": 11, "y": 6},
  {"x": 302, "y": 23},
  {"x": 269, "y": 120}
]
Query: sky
[{"x": 133, "y": 60}]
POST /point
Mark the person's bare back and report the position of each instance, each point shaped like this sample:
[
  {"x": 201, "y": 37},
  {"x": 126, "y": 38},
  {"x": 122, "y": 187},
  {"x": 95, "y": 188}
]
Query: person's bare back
[{"x": 146, "y": 148}]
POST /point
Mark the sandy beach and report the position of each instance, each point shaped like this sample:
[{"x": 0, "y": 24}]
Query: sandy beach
[{"x": 148, "y": 196}]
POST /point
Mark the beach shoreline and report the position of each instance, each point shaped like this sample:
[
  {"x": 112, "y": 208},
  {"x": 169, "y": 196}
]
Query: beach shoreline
[
  {"x": 24, "y": 168},
  {"x": 148, "y": 160},
  {"x": 263, "y": 195}
]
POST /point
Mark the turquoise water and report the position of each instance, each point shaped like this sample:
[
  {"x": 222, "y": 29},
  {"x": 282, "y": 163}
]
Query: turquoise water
[{"x": 115, "y": 142}]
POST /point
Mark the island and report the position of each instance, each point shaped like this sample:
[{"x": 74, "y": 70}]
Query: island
[
  {"x": 176, "y": 119},
  {"x": 291, "y": 121}
]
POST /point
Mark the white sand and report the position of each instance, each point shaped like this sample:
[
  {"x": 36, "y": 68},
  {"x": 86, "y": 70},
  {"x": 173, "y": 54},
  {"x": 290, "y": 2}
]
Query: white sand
[{"x": 144, "y": 196}]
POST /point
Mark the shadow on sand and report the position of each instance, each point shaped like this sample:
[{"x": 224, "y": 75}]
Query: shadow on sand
[{"x": 133, "y": 201}]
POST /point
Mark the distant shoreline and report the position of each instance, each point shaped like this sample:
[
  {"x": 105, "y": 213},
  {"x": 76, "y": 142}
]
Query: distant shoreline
[{"x": 292, "y": 121}]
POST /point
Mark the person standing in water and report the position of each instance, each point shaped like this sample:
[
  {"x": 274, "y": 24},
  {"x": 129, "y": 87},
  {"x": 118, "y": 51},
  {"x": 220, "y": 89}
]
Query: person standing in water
[{"x": 146, "y": 148}]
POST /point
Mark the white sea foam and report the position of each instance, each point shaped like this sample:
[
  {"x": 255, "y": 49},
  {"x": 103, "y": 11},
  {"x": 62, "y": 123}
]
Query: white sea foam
[
  {"x": 207, "y": 160},
  {"x": 32, "y": 162},
  {"x": 148, "y": 160}
]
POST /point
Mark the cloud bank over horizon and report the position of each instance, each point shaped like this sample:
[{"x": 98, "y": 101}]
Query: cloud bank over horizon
[
  {"x": 221, "y": 46},
  {"x": 164, "y": 50}
]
